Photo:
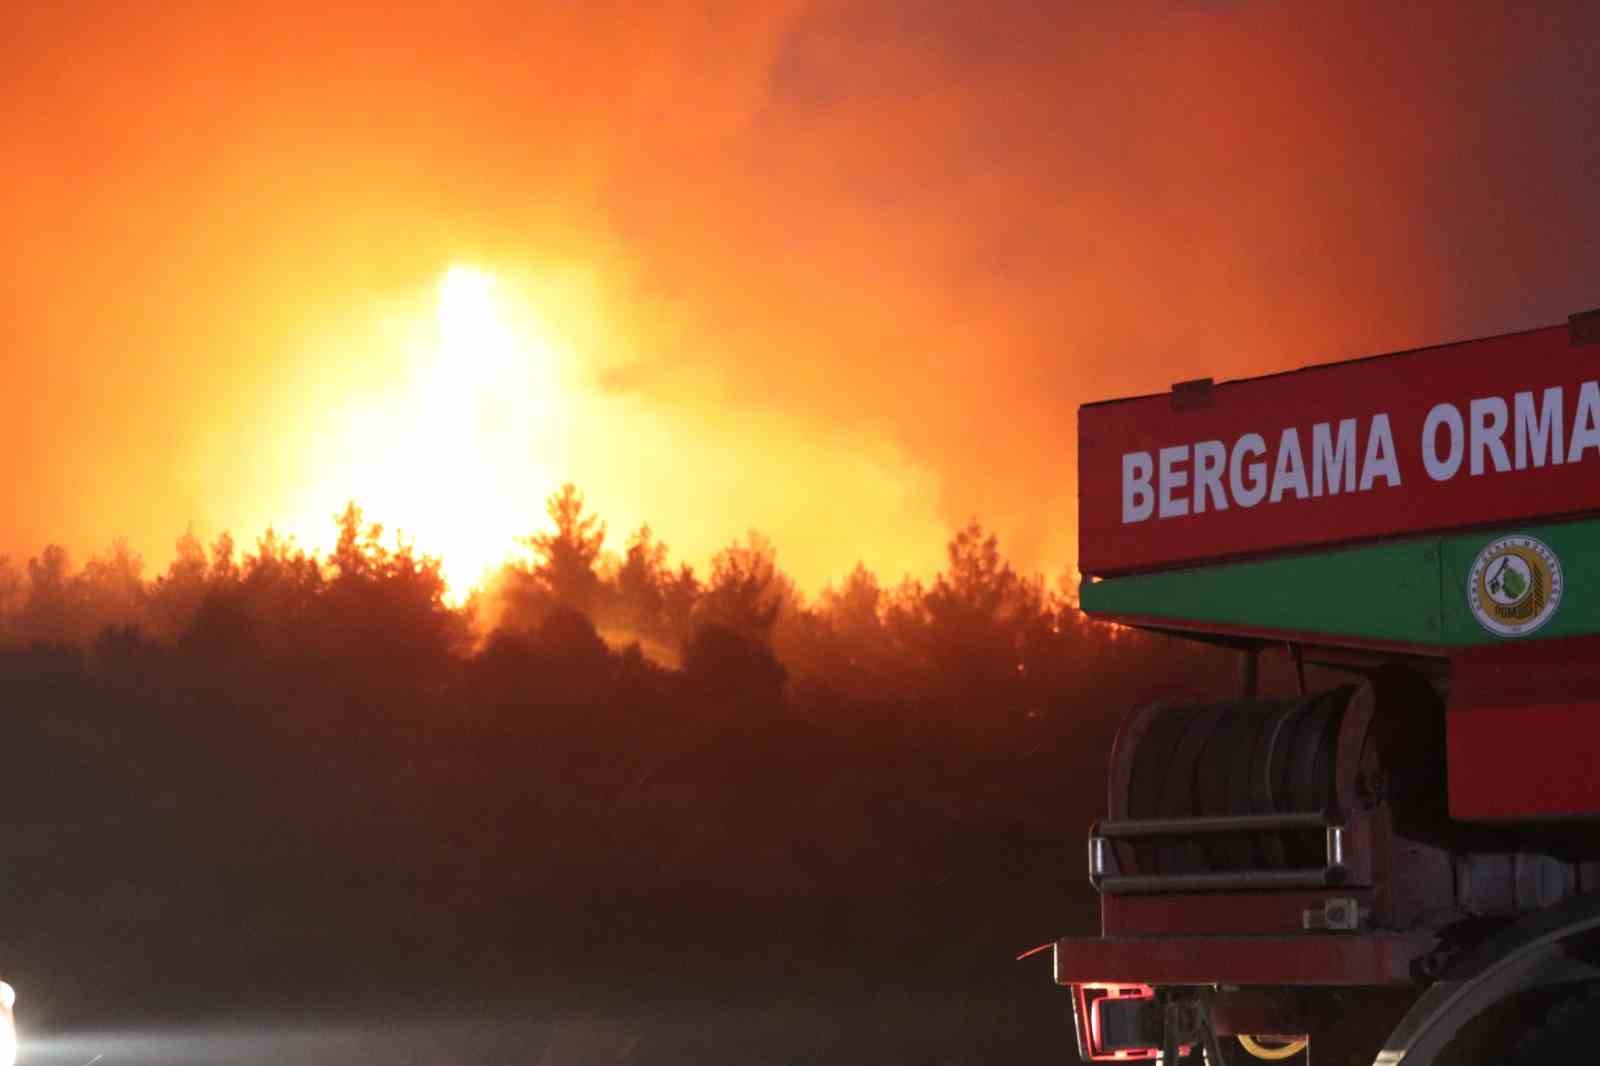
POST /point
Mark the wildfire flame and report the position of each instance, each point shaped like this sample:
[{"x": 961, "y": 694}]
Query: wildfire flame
[{"x": 447, "y": 462}]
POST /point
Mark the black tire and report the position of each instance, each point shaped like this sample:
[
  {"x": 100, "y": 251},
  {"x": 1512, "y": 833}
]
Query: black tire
[
  {"x": 1569, "y": 1032},
  {"x": 1553, "y": 1025}
]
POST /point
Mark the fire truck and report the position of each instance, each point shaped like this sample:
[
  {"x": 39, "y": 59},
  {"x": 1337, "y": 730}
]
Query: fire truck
[{"x": 1396, "y": 861}]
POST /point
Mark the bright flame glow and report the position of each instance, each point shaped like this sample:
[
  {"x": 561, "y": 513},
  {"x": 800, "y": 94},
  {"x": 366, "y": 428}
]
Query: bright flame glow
[
  {"x": 453, "y": 417},
  {"x": 448, "y": 462},
  {"x": 475, "y": 345}
]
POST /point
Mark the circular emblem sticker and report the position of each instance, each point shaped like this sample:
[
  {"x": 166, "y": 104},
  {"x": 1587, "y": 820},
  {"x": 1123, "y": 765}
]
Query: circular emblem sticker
[{"x": 1515, "y": 586}]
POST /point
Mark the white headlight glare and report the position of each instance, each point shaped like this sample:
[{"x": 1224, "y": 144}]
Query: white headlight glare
[{"x": 8, "y": 1026}]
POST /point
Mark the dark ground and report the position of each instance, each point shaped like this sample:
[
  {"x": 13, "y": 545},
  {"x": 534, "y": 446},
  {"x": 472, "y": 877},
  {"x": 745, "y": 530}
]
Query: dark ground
[{"x": 232, "y": 888}]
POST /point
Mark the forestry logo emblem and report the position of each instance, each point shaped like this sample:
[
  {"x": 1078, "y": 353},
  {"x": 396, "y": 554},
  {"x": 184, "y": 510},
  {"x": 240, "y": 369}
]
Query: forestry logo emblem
[{"x": 1515, "y": 586}]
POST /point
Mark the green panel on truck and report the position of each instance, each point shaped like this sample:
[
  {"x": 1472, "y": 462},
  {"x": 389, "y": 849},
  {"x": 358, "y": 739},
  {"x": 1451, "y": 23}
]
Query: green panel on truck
[
  {"x": 1409, "y": 593},
  {"x": 1384, "y": 592}
]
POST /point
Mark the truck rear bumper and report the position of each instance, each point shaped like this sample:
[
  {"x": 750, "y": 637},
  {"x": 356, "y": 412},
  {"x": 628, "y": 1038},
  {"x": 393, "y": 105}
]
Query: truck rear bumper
[{"x": 1306, "y": 959}]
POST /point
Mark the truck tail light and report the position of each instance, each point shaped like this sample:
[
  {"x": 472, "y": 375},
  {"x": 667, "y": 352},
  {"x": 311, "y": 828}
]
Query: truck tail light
[{"x": 1117, "y": 1022}]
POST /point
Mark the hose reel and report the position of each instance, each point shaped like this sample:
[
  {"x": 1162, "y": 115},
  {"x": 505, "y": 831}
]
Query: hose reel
[{"x": 1239, "y": 794}]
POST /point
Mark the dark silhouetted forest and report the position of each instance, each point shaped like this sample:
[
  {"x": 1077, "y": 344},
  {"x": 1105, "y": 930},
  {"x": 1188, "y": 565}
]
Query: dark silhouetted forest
[{"x": 268, "y": 780}]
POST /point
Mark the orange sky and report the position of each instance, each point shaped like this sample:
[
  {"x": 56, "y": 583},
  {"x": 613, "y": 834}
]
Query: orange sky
[{"x": 840, "y": 272}]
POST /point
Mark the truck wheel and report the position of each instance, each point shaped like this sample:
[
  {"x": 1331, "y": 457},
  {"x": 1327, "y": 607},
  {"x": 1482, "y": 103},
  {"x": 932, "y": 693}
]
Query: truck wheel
[
  {"x": 1554, "y": 1025},
  {"x": 1568, "y": 1032}
]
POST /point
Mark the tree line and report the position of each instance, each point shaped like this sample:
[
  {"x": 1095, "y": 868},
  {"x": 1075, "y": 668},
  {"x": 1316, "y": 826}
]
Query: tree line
[
  {"x": 270, "y": 777},
  {"x": 977, "y": 627}
]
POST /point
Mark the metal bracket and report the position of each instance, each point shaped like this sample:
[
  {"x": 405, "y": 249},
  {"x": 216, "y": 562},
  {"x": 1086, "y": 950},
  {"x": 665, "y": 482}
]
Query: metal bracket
[
  {"x": 1108, "y": 878},
  {"x": 1190, "y": 395},
  {"x": 1582, "y": 328},
  {"x": 1338, "y": 914}
]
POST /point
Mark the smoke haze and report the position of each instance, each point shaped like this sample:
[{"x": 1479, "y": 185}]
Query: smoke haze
[{"x": 841, "y": 272}]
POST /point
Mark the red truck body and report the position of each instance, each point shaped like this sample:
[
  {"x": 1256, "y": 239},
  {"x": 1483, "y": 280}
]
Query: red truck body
[{"x": 1428, "y": 523}]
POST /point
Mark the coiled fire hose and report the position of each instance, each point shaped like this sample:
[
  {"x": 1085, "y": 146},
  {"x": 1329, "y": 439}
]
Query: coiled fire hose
[{"x": 1274, "y": 1052}]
